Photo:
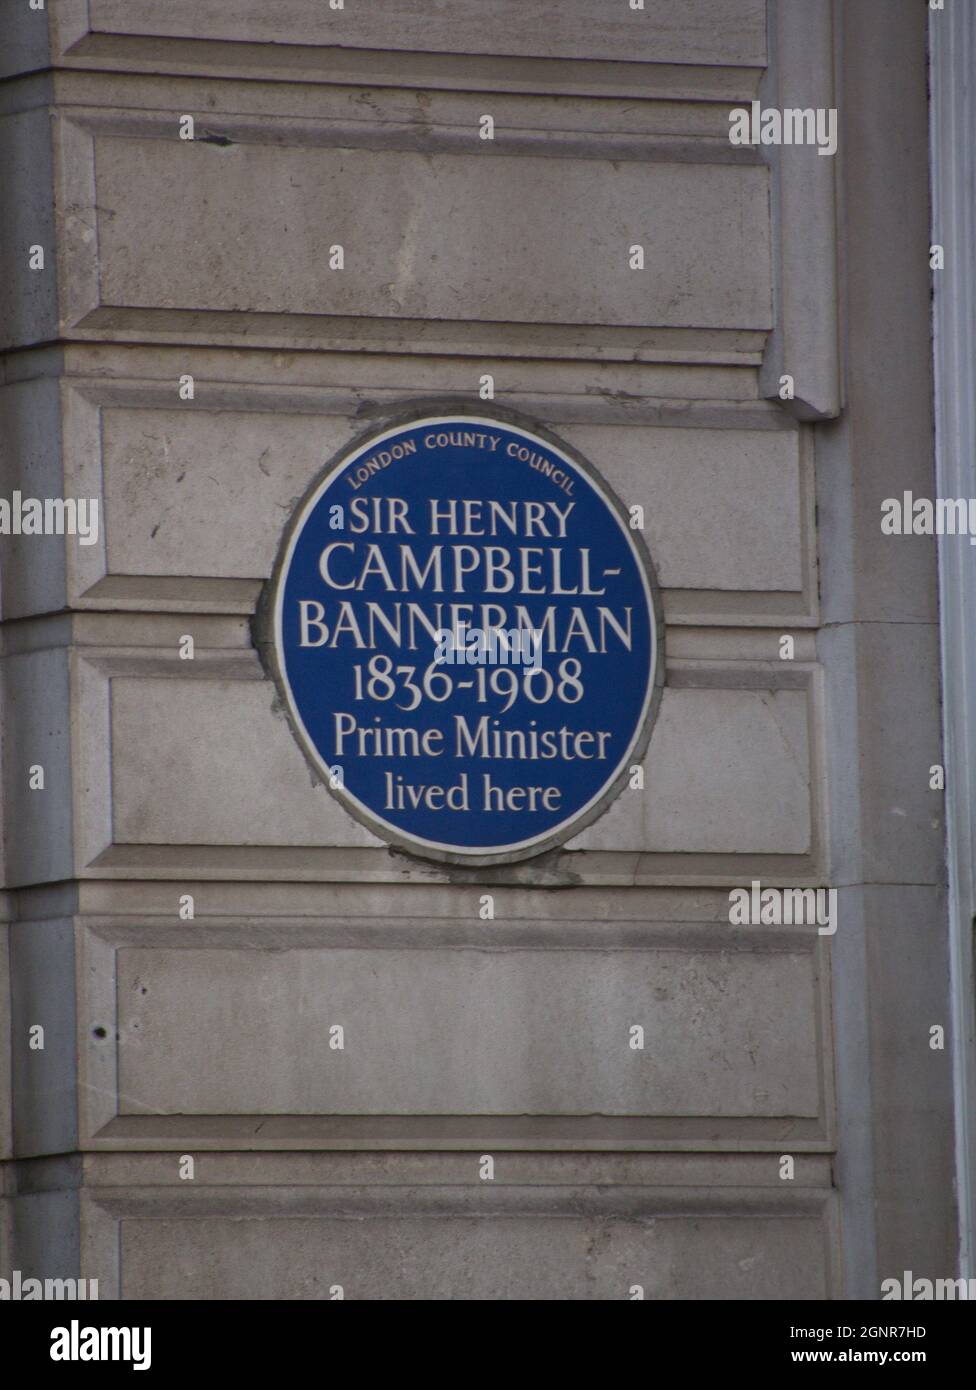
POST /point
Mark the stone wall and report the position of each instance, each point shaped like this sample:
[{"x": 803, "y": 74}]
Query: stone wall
[{"x": 168, "y": 1038}]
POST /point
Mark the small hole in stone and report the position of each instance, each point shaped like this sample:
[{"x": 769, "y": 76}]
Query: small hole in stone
[{"x": 99, "y": 1032}]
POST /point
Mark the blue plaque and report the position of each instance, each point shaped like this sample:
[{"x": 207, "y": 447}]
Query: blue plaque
[{"x": 466, "y": 632}]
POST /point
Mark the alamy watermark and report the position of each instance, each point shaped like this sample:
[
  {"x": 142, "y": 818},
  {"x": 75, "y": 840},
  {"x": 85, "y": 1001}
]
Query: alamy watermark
[
  {"x": 18, "y": 1289},
  {"x": 757, "y": 125},
  {"x": 913, "y": 1290},
  {"x": 784, "y": 907},
  {"x": 77, "y": 1343},
  {"x": 909, "y": 515},
  {"x": 493, "y": 646},
  {"x": 50, "y": 516}
]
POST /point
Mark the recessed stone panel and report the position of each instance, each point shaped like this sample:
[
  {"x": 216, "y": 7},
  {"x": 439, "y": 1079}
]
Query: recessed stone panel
[
  {"x": 722, "y": 507},
  {"x": 208, "y": 762},
  {"x": 567, "y": 1256},
  {"x": 462, "y": 236},
  {"x": 727, "y": 771},
  {"x": 696, "y": 31},
  {"x": 467, "y": 1031}
]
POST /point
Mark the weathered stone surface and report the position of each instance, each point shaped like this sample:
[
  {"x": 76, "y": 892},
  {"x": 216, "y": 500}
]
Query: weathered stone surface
[
  {"x": 514, "y": 1257},
  {"x": 169, "y": 474},
  {"x": 726, "y": 771},
  {"x": 699, "y": 491},
  {"x": 698, "y": 31},
  {"x": 467, "y": 1031},
  {"x": 36, "y": 721},
  {"x": 28, "y": 297},
  {"x": 473, "y": 236}
]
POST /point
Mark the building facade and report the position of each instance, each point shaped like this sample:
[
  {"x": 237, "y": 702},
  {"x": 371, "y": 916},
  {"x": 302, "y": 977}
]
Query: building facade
[{"x": 236, "y": 238}]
